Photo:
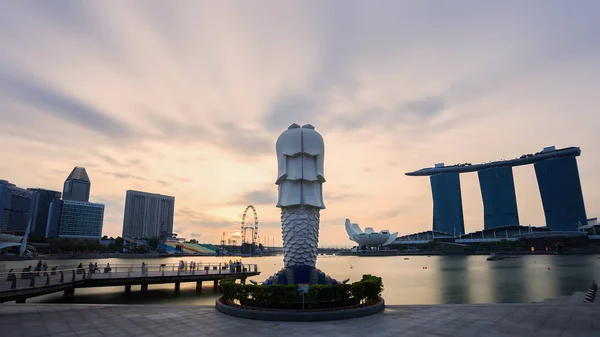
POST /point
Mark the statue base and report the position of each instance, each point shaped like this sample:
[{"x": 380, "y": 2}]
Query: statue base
[{"x": 300, "y": 275}]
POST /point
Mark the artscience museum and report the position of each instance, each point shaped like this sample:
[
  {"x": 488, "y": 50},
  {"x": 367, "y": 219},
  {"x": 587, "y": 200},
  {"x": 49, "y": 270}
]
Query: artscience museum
[{"x": 369, "y": 239}]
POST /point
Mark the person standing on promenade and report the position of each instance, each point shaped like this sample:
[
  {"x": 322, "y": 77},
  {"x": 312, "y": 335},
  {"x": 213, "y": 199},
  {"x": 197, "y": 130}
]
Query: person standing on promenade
[
  {"x": 143, "y": 268},
  {"x": 38, "y": 267}
]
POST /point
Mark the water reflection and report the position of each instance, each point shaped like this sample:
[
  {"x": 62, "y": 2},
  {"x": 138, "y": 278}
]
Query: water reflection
[
  {"x": 452, "y": 281},
  {"x": 415, "y": 280},
  {"x": 507, "y": 283}
]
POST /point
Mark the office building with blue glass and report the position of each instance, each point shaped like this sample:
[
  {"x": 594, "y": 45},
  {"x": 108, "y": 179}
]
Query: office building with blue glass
[
  {"x": 558, "y": 181},
  {"x": 81, "y": 220},
  {"x": 16, "y": 207},
  {"x": 74, "y": 216},
  {"x": 41, "y": 209}
]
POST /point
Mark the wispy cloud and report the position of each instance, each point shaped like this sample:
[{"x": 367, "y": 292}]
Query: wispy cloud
[
  {"x": 258, "y": 197},
  {"x": 123, "y": 175},
  {"x": 46, "y": 99}
]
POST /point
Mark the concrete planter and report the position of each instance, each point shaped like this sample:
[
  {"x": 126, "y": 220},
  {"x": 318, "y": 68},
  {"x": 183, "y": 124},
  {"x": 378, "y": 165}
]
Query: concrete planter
[{"x": 300, "y": 315}]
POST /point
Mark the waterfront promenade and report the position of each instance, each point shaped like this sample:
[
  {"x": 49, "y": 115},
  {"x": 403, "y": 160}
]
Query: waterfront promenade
[
  {"x": 18, "y": 286},
  {"x": 531, "y": 319}
]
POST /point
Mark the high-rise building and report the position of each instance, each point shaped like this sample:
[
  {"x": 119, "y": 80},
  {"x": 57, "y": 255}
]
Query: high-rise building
[
  {"x": 77, "y": 186},
  {"x": 560, "y": 189},
  {"x": 499, "y": 198},
  {"x": 147, "y": 214},
  {"x": 16, "y": 207},
  {"x": 53, "y": 223},
  {"x": 41, "y": 208},
  {"x": 82, "y": 220},
  {"x": 558, "y": 181},
  {"x": 447, "y": 203}
]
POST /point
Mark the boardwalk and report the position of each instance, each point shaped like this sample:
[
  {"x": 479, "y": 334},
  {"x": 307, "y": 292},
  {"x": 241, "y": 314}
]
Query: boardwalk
[
  {"x": 22, "y": 285},
  {"x": 514, "y": 320}
]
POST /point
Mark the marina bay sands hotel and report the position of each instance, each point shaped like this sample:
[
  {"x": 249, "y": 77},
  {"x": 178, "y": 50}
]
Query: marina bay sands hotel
[{"x": 557, "y": 178}]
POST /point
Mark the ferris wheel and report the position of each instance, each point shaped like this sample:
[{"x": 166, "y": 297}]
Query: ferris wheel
[{"x": 245, "y": 227}]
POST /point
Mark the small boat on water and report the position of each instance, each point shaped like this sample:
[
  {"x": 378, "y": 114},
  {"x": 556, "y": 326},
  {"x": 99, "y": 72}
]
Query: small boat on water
[{"x": 495, "y": 257}]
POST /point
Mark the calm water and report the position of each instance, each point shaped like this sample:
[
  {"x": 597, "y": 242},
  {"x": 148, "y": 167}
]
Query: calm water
[{"x": 446, "y": 279}]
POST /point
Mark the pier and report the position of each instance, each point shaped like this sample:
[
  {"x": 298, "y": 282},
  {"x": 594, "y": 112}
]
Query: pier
[{"x": 19, "y": 286}]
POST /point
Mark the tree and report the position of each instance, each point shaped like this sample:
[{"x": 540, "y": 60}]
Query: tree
[
  {"x": 193, "y": 241},
  {"x": 36, "y": 238},
  {"x": 153, "y": 243},
  {"x": 117, "y": 245}
]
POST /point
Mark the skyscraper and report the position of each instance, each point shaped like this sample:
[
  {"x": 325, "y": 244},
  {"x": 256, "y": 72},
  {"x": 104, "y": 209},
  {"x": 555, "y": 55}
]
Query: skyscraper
[
  {"x": 82, "y": 220},
  {"x": 447, "y": 203},
  {"x": 75, "y": 216},
  {"x": 77, "y": 186},
  {"x": 41, "y": 209},
  {"x": 53, "y": 223},
  {"x": 147, "y": 214},
  {"x": 499, "y": 198},
  {"x": 16, "y": 207},
  {"x": 560, "y": 189}
]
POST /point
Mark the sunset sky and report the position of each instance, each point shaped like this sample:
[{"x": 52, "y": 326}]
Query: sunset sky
[{"x": 187, "y": 98}]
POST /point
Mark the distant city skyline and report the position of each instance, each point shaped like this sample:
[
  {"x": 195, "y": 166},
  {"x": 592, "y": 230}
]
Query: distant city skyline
[{"x": 187, "y": 99}]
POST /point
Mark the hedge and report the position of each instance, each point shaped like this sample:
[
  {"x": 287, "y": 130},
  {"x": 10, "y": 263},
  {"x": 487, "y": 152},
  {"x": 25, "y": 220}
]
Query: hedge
[{"x": 319, "y": 296}]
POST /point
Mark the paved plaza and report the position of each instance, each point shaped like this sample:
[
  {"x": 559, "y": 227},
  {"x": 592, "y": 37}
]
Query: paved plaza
[{"x": 547, "y": 320}]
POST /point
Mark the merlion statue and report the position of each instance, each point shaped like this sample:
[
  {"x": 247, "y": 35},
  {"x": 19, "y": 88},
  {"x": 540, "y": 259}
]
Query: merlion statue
[{"x": 300, "y": 178}]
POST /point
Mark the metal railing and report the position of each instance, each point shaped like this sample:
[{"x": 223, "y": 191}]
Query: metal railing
[
  {"x": 13, "y": 280},
  {"x": 590, "y": 295},
  {"x": 475, "y": 240},
  {"x": 171, "y": 269}
]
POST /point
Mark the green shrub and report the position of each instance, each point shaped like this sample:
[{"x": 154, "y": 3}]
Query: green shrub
[
  {"x": 319, "y": 296},
  {"x": 231, "y": 290},
  {"x": 358, "y": 291},
  {"x": 373, "y": 286},
  {"x": 281, "y": 293}
]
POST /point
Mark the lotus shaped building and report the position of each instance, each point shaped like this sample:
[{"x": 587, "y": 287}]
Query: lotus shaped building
[{"x": 369, "y": 237}]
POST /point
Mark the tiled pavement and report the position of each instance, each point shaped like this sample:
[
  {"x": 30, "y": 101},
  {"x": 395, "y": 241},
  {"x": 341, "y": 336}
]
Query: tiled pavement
[{"x": 547, "y": 320}]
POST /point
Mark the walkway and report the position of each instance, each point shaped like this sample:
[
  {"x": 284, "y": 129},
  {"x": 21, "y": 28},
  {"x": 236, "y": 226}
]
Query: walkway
[
  {"x": 547, "y": 320},
  {"x": 22, "y": 285}
]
